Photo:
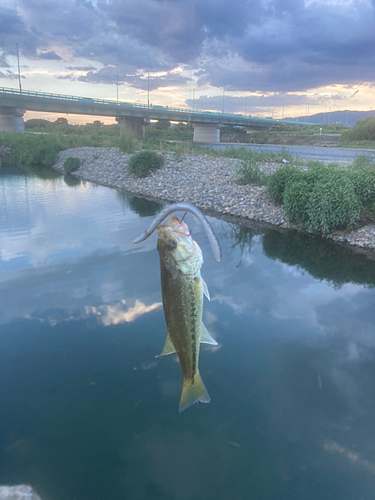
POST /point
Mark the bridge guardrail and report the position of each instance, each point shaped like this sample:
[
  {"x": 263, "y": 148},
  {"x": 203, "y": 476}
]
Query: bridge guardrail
[{"x": 89, "y": 100}]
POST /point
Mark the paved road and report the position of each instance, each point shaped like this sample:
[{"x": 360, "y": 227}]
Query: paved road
[{"x": 305, "y": 152}]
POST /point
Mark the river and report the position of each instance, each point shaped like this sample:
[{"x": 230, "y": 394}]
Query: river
[{"x": 88, "y": 412}]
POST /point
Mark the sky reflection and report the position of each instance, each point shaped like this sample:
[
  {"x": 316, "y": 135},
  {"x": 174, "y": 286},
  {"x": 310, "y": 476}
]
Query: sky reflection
[{"x": 87, "y": 407}]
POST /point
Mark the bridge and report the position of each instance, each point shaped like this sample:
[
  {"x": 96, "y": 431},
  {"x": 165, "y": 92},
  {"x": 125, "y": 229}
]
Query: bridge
[{"x": 131, "y": 117}]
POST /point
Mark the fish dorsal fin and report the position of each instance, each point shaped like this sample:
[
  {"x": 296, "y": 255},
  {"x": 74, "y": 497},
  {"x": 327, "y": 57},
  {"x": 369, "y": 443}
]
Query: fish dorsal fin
[
  {"x": 168, "y": 347},
  {"x": 205, "y": 289},
  {"x": 205, "y": 337}
]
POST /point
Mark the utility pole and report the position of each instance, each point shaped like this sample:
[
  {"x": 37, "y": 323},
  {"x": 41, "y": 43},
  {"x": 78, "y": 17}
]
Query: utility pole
[
  {"x": 117, "y": 87},
  {"x": 148, "y": 89},
  {"x": 19, "y": 71}
]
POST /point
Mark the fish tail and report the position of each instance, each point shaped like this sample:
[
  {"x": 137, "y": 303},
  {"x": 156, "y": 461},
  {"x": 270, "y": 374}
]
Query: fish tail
[{"x": 193, "y": 391}]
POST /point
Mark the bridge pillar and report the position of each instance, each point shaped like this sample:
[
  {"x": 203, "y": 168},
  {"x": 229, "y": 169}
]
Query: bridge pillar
[
  {"x": 11, "y": 119},
  {"x": 206, "y": 132},
  {"x": 132, "y": 125}
]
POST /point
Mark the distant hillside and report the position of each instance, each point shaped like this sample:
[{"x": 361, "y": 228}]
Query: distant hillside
[{"x": 347, "y": 118}]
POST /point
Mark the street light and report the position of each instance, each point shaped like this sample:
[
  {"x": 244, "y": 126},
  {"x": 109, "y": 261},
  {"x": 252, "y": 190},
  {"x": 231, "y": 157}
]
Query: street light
[
  {"x": 19, "y": 72},
  {"x": 148, "y": 89}
]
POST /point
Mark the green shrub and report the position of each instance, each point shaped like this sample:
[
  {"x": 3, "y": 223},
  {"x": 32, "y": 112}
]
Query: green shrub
[
  {"x": 277, "y": 181},
  {"x": 248, "y": 172},
  {"x": 296, "y": 201},
  {"x": 364, "y": 185},
  {"x": 31, "y": 150},
  {"x": 126, "y": 144},
  {"x": 333, "y": 203},
  {"x": 323, "y": 198},
  {"x": 71, "y": 165},
  {"x": 143, "y": 163}
]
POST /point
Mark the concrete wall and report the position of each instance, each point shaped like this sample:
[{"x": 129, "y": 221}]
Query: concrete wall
[
  {"x": 132, "y": 126},
  {"x": 207, "y": 133},
  {"x": 11, "y": 120}
]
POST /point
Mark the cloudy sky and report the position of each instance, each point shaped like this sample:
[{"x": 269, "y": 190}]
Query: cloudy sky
[{"x": 280, "y": 57}]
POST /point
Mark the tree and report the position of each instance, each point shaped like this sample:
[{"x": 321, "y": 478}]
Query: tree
[
  {"x": 162, "y": 124},
  {"x": 37, "y": 123},
  {"x": 61, "y": 121}
]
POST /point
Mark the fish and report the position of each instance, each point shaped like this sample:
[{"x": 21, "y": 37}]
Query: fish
[{"x": 183, "y": 288}]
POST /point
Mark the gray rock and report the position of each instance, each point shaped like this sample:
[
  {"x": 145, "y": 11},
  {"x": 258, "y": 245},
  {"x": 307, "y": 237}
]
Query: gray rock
[{"x": 207, "y": 182}]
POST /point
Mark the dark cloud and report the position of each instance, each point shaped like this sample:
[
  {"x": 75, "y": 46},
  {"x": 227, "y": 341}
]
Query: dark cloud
[
  {"x": 67, "y": 77},
  {"x": 112, "y": 75},
  {"x": 262, "y": 45},
  {"x": 3, "y": 61},
  {"x": 14, "y": 30},
  {"x": 296, "y": 47},
  {"x": 49, "y": 55},
  {"x": 81, "y": 68},
  {"x": 10, "y": 75}
]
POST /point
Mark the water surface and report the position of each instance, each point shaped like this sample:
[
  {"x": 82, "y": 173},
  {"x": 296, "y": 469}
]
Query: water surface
[{"x": 87, "y": 411}]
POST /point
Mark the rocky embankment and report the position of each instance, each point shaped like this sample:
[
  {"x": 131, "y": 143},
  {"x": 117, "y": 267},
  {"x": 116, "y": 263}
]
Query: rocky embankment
[{"x": 204, "y": 181}]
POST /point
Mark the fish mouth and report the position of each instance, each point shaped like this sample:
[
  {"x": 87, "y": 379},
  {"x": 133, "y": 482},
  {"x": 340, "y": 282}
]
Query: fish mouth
[{"x": 174, "y": 228}]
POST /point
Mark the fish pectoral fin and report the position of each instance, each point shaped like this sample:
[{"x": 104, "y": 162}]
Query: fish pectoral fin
[
  {"x": 168, "y": 348},
  {"x": 205, "y": 289},
  {"x": 205, "y": 337},
  {"x": 193, "y": 391}
]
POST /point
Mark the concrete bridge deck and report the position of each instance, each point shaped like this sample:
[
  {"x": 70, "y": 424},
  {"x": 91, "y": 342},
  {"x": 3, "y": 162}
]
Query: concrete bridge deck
[{"x": 131, "y": 116}]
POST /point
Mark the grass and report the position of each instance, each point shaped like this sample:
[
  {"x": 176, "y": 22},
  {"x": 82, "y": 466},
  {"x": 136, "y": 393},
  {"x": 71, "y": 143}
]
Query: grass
[
  {"x": 356, "y": 144},
  {"x": 315, "y": 196},
  {"x": 318, "y": 197},
  {"x": 324, "y": 198},
  {"x": 143, "y": 163}
]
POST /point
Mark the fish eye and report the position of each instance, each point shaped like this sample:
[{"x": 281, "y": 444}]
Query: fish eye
[{"x": 172, "y": 243}]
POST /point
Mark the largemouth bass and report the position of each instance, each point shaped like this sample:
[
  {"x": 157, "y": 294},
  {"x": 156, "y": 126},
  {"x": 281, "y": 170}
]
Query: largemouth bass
[{"x": 182, "y": 290}]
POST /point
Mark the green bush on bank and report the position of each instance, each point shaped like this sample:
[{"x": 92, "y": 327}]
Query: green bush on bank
[
  {"x": 143, "y": 163},
  {"x": 276, "y": 182},
  {"x": 324, "y": 198},
  {"x": 31, "y": 150},
  {"x": 296, "y": 201},
  {"x": 364, "y": 185},
  {"x": 71, "y": 165},
  {"x": 333, "y": 203}
]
